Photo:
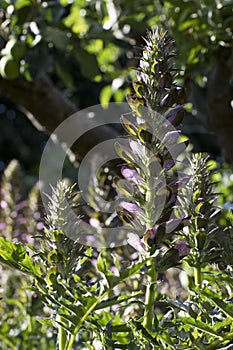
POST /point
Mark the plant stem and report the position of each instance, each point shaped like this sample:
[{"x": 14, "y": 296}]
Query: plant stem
[
  {"x": 88, "y": 311},
  {"x": 93, "y": 306},
  {"x": 197, "y": 275},
  {"x": 150, "y": 297},
  {"x": 62, "y": 336}
]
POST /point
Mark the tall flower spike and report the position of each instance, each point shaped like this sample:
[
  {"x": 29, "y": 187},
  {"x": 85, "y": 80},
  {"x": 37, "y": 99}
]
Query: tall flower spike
[
  {"x": 155, "y": 87},
  {"x": 203, "y": 233},
  {"x": 151, "y": 169}
]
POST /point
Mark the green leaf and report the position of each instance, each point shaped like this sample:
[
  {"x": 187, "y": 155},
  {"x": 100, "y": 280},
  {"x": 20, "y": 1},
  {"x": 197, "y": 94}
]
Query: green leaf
[
  {"x": 116, "y": 300},
  {"x": 101, "y": 264},
  {"x": 221, "y": 326},
  {"x": 199, "y": 207},
  {"x": 65, "y": 75},
  {"x": 227, "y": 308},
  {"x": 29, "y": 264},
  {"x": 88, "y": 63},
  {"x": 22, "y": 3},
  {"x": 138, "y": 327},
  {"x": 51, "y": 276},
  {"x": 106, "y": 95},
  {"x": 194, "y": 23},
  {"x": 121, "y": 328},
  {"x": 16, "y": 256},
  {"x": 132, "y": 270},
  {"x": 46, "y": 321},
  {"x": 57, "y": 37},
  {"x": 73, "y": 319},
  {"x": 196, "y": 195},
  {"x": 112, "y": 280},
  {"x": 200, "y": 325}
]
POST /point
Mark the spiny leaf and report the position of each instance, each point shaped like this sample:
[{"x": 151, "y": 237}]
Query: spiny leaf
[
  {"x": 200, "y": 325},
  {"x": 15, "y": 255},
  {"x": 227, "y": 308},
  {"x": 116, "y": 300}
]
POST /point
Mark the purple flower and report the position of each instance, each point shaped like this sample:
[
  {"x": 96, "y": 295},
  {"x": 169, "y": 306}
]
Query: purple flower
[
  {"x": 176, "y": 150},
  {"x": 40, "y": 226},
  {"x": 138, "y": 149},
  {"x": 183, "y": 248},
  {"x": 136, "y": 243},
  {"x": 130, "y": 213},
  {"x": 171, "y": 138},
  {"x": 176, "y": 224},
  {"x": 3, "y": 204},
  {"x": 180, "y": 181},
  {"x": 131, "y": 174},
  {"x": 169, "y": 164},
  {"x": 131, "y": 207},
  {"x": 2, "y": 226},
  {"x": 176, "y": 115}
]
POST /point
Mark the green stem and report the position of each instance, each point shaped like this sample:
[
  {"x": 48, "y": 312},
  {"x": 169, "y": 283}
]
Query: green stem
[
  {"x": 92, "y": 307},
  {"x": 30, "y": 326},
  {"x": 197, "y": 275},
  {"x": 150, "y": 297},
  {"x": 62, "y": 335}
]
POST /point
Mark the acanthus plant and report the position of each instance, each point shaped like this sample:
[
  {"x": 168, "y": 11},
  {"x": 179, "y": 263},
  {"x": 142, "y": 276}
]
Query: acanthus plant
[
  {"x": 156, "y": 162},
  {"x": 96, "y": 298}
]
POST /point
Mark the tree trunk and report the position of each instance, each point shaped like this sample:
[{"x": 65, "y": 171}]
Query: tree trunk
[{"x": 219, "y": 99}]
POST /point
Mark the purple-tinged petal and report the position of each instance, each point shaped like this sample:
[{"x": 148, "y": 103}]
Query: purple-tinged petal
[
  {"x": 136, "y": 243},
  {"x": 176, "y": 115},
  {"x": 169, "y": 164},
  {"x": 131, "y": 207},
  {"x": 176, "y": 224},
  {"x": 176, "y": 150},
  {"x": 131, "y": 174},
  {"x": 114, "y": 270},
  {"x": 2, "y": 226},
  {"x": 138, "y": 149},
  {"x": 40, "y": 226},
  {"x": 172, "y": 199},
  {"x": 183, "y": 248},
  {"x": 3, "y": 204},
  {"x": 180, "y": 181},
  {"x": 171, "y": 138}
]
